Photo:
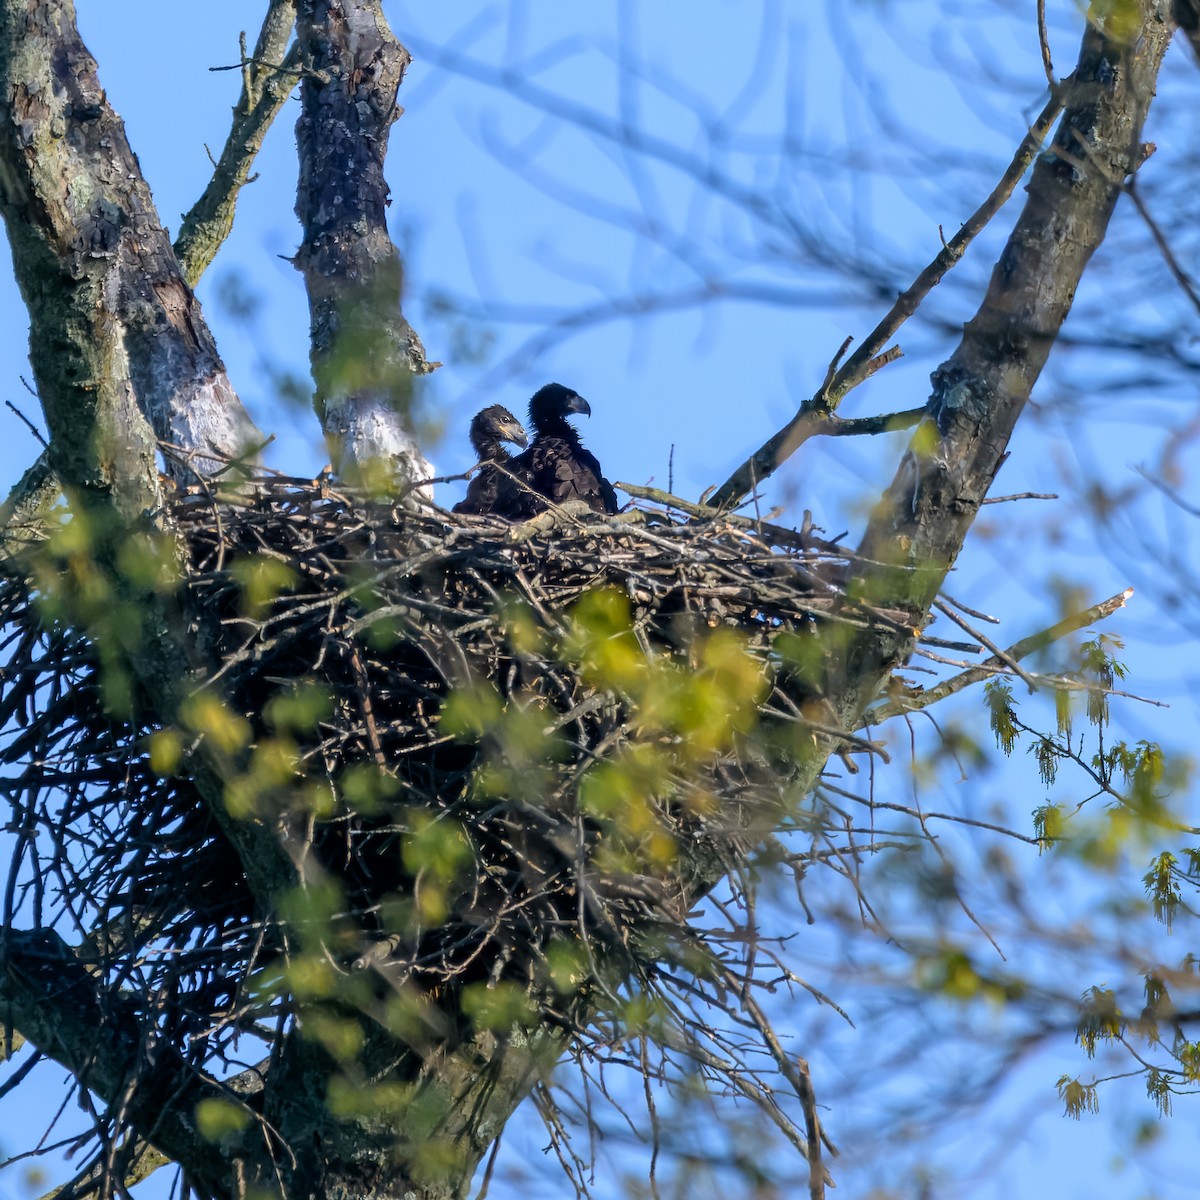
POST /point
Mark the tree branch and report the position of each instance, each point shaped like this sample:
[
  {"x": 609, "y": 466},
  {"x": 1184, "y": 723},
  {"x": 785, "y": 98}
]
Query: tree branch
[
  {"x": 268, "y": 78},
  {"x": 49, "y": 995},
  {"x": 812, "y": 420},
  {"x": 119, "y": 349},
  {"x": 872, "y": 355},
  {"x": 988, "y": 669},
  {"x": 23, "y": 514},
  {"x": 919, "y": 526},
  {"x": 117, "y": 338}
]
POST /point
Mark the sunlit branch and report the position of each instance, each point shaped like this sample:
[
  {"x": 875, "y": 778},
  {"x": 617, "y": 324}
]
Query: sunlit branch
[
  {"x": 811, "y": 421},
  {"x": 268, "y": 77},
  {"x": 1044, "y": 44},
  {"x": 873, "y": 353},
  {"x": 985, "y": 670},
  {"x": 852, "y": 373}
]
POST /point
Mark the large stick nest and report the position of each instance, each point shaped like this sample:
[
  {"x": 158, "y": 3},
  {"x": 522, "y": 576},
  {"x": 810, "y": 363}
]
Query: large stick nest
[{"x": 445, "y": 695}]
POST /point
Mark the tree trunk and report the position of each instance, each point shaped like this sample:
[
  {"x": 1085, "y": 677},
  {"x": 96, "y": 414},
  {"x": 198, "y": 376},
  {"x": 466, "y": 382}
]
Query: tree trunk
[
  {"x": 365, "y": 355},
  {"x": 120, "y": 349}
]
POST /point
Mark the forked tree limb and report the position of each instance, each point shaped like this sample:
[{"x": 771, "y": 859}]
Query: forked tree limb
[
  {"x": 49, "y": 995},
  {"x": 919, "y": 526},
  {"x": 120, "y": 350},
  {"x": 992, "y": 666},
  {"x": 873, "y": 353},
  {"x": 813, "y": 420},
  {"x": 265, "y": 90},
  {"x": 269, "y": 76}
]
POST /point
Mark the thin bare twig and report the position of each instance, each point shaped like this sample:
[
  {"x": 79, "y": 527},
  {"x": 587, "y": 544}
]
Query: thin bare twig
[
  {"x": 37, "y": 433},
  {"x": 873, "y": 353},
  {"x": 1016, "y": 652},
  {"x": 814, "y": 418},
  {"x": 1019, "y": 496},
  {"x": 1002, "y": 655},
  {"x": 268, "y": 77},
  {"x": 851, "y": 374},
  {"x": 1044, "y": 43},
  {"x": 1164, "y": 247}
]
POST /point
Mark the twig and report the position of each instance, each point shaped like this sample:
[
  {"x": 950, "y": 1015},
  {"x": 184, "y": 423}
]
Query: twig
[
  {"x": 1019, "y": 496},
  {"x": 797, "y": 1074},
  {"x": 873, "y": 353},
  {"x": 971, "y": 612},
  {"x": 831, "y": 370},
  {"x": 1160, "y": 240},
  {"x": 1168, "y": 491},
  {"x": 777, "y": 534},
  {"x": 852, "y": 374},
  {"x": 813, "y": 418},
  {"x": 254, "y": 61},
  {"x": 37, "y": 433},
  {"x": 1002, "y": 655},
  {"x": 1016, "y": 652},
  {"x": 1044, "y": 43}
]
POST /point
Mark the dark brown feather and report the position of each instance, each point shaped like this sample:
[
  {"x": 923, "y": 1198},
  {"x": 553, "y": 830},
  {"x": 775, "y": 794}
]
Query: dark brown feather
[
  {"x": 556, "y": 468},
  {"x": 489, "y": 430}
]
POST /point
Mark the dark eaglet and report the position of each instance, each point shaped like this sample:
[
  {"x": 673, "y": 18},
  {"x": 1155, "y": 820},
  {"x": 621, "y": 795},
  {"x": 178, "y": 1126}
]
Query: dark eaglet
[
  {"x": 556, "y": 467},
  {"x": 489, "y": 430}
]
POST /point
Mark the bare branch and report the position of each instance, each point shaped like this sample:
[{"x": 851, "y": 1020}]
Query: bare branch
[
  {"x": 268, "y": 78},
  {"x": 985, "y": 670},
  {"x": 53, "y": 1000},
  {"x": 853, "y": 372},
  {"x": 872, "y": 354},
  {"x": 1044, "y": 44},
  {"x": 1160, "y": 240},
  {"x": 920, "y": 525},
  {"x": 1011, "y": 663},
  {"x": 812, "y": 420},
  {"x": 118, "y": 341}
]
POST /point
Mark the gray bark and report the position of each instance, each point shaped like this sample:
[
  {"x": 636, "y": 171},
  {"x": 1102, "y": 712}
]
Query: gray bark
[
  {"x": 365, "y": 355},
  {"x": 90, "y": 249},
  {"x": 268, "y": 79},
  {"x": 921, "y": 524}
]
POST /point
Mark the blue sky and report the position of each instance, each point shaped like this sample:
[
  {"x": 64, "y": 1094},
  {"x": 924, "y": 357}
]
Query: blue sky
[{"x": 498, "y": 201}]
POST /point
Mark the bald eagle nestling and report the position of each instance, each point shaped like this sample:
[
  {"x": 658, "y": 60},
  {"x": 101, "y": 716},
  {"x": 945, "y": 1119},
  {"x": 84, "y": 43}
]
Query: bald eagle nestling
[
  {"x": 556, "y": 467},
  {"x": 489, "y": 429}
]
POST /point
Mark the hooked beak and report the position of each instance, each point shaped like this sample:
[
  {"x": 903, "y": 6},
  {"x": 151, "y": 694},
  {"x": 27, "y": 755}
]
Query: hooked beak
[
  {"x": 515, "y": 433},
  {"x": 577, "y": 404}
]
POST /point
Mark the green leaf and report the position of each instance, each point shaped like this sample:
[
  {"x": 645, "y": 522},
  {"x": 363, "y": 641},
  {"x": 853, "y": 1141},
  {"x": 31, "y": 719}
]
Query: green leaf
[
  {"x": 1161, "y": 887},
  {"x": 1077, "y": 1097},
  {"x": 1101, "y": 1020},
  {"x": 1001, "y": 713},
  {"x": 218, "y": 1119},
  {"x": 1048, "y": 824}
]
